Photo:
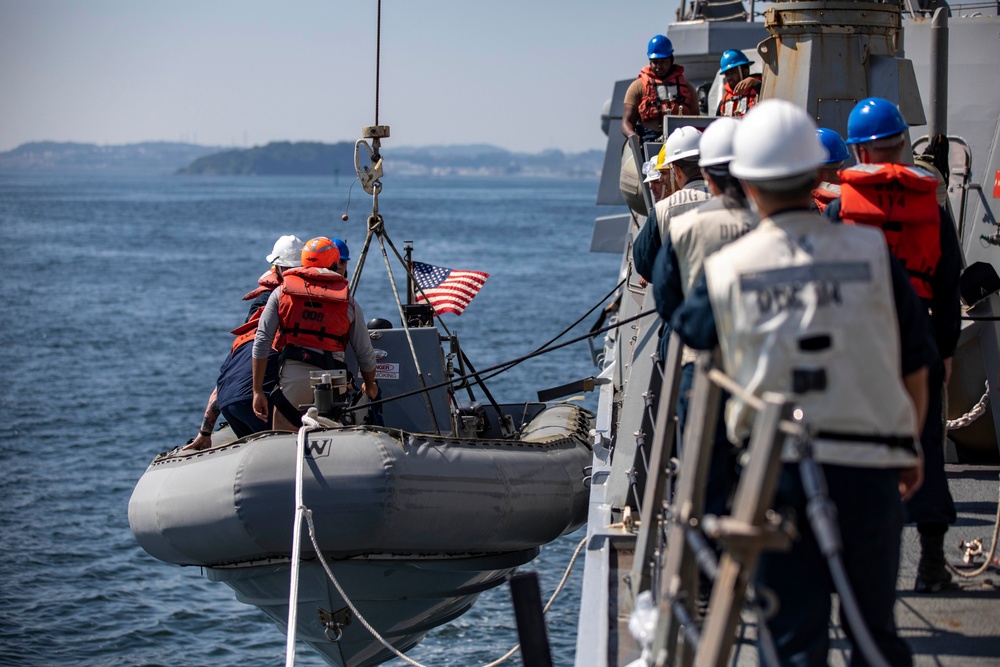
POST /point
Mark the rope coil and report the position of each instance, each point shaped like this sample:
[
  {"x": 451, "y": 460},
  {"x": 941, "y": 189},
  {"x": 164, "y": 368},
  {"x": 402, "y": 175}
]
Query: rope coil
[{"x": 989, "y": 557}]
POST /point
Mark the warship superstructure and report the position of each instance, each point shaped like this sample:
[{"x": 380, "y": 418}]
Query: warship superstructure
[{"x": 937, "y": 64}]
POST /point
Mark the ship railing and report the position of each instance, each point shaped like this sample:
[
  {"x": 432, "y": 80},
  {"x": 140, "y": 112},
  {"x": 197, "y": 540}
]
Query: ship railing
[
  {"x": 688, "y": 631},
  {"x": 970, "y": 9},
  {"x": 672, "y": 544}
]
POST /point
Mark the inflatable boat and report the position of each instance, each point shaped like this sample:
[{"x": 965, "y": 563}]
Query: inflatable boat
[{"x": 414, "y": 517}]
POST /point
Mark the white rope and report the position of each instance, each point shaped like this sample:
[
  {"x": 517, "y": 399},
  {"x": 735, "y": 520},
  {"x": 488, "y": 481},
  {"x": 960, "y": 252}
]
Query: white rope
[
  {"x": 308, "y": 422},
  {"x": 562, "y": 582},
  {"x": 340, "y": 590},
  {"x": 989, "y": 557},
  {"x": 381, "y": 639},
  {"x": 977, "y": 411}
]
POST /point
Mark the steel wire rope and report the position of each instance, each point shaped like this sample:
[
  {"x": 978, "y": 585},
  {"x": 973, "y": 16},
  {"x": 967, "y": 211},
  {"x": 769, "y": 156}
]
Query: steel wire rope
[
  {"x": 506, "y": 363},
  {"x": 409, "y": 337},
  {"x": 413, "y": 281},
  {"x": 378, "y": 55},
  {"x": 542, "y": 348},
  {"x": 364, "y": 622},
  {"x": 374, "y": 222},
  {"x": 309, "y": 422},
  {"x": 376, "y": 228}
]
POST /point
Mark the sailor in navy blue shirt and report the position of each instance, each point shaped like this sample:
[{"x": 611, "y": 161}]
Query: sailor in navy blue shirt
[
  {"x": 921, "y": 235},
  {"x": 809, "y": 309}
]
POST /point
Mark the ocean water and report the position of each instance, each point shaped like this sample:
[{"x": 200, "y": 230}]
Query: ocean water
[{"x": 117, "y": 299}]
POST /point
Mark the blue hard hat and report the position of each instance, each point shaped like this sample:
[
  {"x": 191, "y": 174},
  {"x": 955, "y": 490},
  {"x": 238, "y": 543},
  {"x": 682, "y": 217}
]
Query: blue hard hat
[
  {"x": 345, "y": 254},
  {"x": 659, "y": 47},
  {"x": 833, "y": 144},
  {"x": 874, "y": 118},
  {"x": 731, "y": 59}
]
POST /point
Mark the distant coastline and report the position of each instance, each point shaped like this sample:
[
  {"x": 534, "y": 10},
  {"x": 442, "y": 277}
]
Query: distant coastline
[{"x": 294, "y": 159}]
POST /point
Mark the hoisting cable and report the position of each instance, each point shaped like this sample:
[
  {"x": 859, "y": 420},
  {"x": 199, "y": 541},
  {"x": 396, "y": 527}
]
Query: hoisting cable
[
  {"x": 378, "y": 54},
  {"x": 465, "y": 359},
  {"x": 409, "y": 337},
  {"x": 539, "y": 350},
  {"x": 373, "y": 222},
  {"x": 593, "y": 332},
  {"x": 364, "y": 622}
]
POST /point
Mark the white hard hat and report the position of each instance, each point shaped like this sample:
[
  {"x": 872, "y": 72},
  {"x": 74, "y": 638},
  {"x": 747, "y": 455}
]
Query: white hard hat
[
  {"x": 716, "y": 144},
  {"x": 682, "y": 143},
  {"x": 287, "y": 252},
  {"x": 649, "y": 168},
  {"x": 776, "y": 140}
]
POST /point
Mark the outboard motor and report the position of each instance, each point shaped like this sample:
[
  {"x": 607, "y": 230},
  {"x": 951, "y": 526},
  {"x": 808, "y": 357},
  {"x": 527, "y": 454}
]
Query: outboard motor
[
  {"x": 335, "y": 397},
  {"x": 331, "y": 393}
]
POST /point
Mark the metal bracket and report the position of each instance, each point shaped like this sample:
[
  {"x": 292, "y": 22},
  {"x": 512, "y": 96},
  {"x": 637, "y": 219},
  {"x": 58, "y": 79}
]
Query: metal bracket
[
  {"x": 370, "y": 172},
  {"x": 334, "y": 622},
  {"x": 375, "y": 132},
  {"x": 741, "y": 537}
]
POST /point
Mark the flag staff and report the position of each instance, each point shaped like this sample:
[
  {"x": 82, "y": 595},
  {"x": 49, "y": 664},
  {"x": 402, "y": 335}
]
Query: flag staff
[{"x": 408, "y": 254}]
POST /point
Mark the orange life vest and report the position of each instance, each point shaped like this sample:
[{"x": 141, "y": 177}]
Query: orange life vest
[
  {"x": 245, "y": 332},
  {"x": 736, "y": 105},
  {"x": 313, "y": 308},
  {"x": 266, "y": 283},
  {"x": 825, "y": 193},
  {"x": 901, "y": 200},
  {"x": 666, "y": 96}
]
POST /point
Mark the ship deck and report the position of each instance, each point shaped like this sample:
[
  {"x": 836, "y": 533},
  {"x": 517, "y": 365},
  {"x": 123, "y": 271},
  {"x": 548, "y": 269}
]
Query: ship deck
[
  {"x": 960, "y": 627},
  {"x": 955, "y": 628}
]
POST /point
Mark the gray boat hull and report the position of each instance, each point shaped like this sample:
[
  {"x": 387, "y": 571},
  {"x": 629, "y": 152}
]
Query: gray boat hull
[
  {"x": 404, "y": 599},
  {"x": 371, "y": 491},
  {"x": 414, "y": 526}
]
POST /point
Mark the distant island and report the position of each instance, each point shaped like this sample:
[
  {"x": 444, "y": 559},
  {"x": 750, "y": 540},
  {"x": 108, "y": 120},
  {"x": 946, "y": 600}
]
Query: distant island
[
  {"x": 283, "y": 158},
  {"x": 154, "y": 157},
  {"x": 306, "y": 158}
]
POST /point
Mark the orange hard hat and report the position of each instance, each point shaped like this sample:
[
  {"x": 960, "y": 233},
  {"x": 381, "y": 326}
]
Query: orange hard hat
[{"x": 320, "y": 252}]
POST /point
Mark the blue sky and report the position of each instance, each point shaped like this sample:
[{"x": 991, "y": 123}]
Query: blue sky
[{"x": 521, "y": 74}]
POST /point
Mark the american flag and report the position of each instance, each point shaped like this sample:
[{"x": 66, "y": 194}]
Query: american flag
[{"x": 448, "y": 290}]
